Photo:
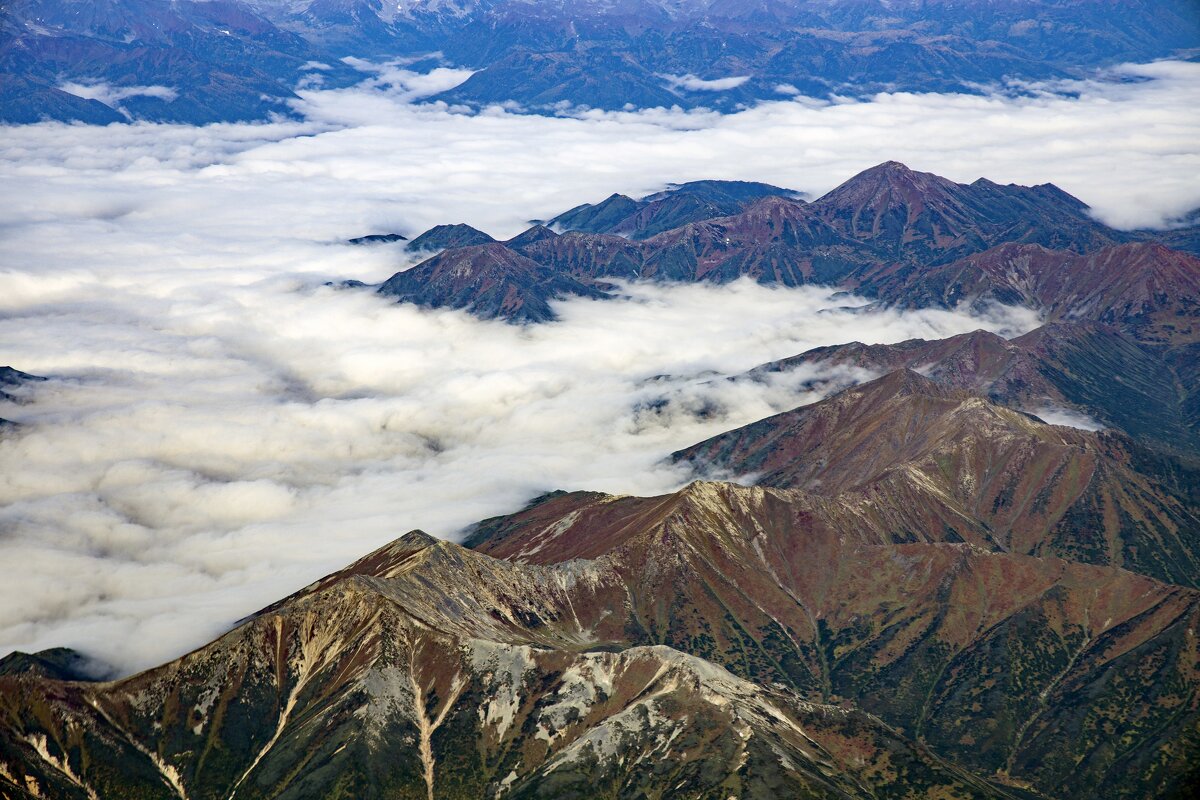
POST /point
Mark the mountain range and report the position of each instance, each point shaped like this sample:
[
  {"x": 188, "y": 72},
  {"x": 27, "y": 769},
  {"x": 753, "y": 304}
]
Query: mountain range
[
  {"x": 879, "y": 234},
  {"x": 102, "y": 61},
  {"x": 917, "y": 601},
  {"x": 970, "y": 570},
  {"x": 916, "y": 587}
]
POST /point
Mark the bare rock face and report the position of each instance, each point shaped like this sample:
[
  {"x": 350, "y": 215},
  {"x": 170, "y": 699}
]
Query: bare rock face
[
  {"x": 1001, "y": 662},
  {"x": 427, "y": 670}
]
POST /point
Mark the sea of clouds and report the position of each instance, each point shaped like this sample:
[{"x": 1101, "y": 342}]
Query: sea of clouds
[{"x": 221, "y": 427}]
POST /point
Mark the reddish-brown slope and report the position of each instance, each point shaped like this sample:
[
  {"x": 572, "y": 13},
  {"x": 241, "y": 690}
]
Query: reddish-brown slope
[
  {"x": 1093, "y": 369},
  {"x": 426, "y": 670},
  {"x": 928, "y": 462},
  {"x": 487, "y": 279},
  {"x": 1144, "y": 288},
  {"x": 1003, "y": 661}
]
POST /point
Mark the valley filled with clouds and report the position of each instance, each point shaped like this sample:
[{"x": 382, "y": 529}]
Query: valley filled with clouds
[{"x": 221, "y": 426}]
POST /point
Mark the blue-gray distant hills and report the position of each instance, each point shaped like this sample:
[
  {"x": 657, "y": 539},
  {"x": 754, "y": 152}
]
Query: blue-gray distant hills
[{"x": 197, "y": 62}]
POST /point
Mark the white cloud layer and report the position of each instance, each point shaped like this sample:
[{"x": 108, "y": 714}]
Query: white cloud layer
[
  {"x": 112, "y": 95},
  {"x": 222, "y": 428},
  {"x": 697, "y": 84}
]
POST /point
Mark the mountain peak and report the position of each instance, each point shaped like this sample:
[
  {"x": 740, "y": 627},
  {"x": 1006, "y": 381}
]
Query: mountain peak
[
  {"x": 859, "y": 434},
  {"x": 888, "y": 175},
  {"x": 443, "y": 237},
  {"x": 537, "y": 233},
  {"x": 903, "y": 383},
  {"x": 598, "y": 218},
  {"x": 58, "y": 663},
  {"x": 384, "y": 562},
  {"x": 893, "y": 167},
  {"x": 478, "y": 261}
]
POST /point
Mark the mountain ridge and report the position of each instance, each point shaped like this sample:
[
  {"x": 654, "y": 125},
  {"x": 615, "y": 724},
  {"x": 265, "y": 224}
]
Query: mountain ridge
[
  {"x": 318, "y": 652},
  {"x": 944, "y": 464},
  {"x": 540, "y": 56},
  {"x": 904, "y": 238},
  {"x": 759, "y": 640}
]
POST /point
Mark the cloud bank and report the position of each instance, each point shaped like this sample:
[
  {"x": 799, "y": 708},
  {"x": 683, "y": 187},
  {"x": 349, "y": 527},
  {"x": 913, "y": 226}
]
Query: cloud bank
[{"x": 222, "y": 428}]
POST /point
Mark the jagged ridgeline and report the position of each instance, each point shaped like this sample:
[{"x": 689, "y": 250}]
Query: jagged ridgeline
[
  {"x": 903, "y": 238},
  {"x": 933, "y": 596},
  {"x": 914, "y": 588}
]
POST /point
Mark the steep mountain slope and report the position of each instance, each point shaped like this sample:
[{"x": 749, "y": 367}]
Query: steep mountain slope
[
  {"x": 775, "y": 240},
  {"x": 487, "y": 279},
  {"x": 426, "y": 670},
  {"x": 911, "y": 239},
  {"x": 1089, "y": 368},
  {"x": 932, "y": 463},
  {"x": 924, "y": 218},
  {"x": 1146, "y": 289},
  {"x": 443, "y": 237},
  {"x": 918, "y": 621},
  {"x": 1024, "y": 669},
  {"x": 587, "y": 256}
]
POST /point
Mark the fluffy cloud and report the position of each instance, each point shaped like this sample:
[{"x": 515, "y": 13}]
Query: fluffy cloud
[
  {"x": 400, "y": 84},
  {"x": 695, "y": 84},
  {"x": 113, "y": 95},
  {"x": 223, "y": 428}
]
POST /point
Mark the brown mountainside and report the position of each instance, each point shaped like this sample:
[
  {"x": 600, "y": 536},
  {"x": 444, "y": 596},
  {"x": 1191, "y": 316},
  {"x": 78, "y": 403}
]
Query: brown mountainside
[
  {"x": 930, "y": 463},
  {"x": 909, "y": 238},
  {"x": 1020, "y": 668},
  {"x": 427, "y": 670},
  {"x": 1147, "y": 289},
  {"x": 1090, "y": 368},
  {"x": 880, "y": 634}
]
